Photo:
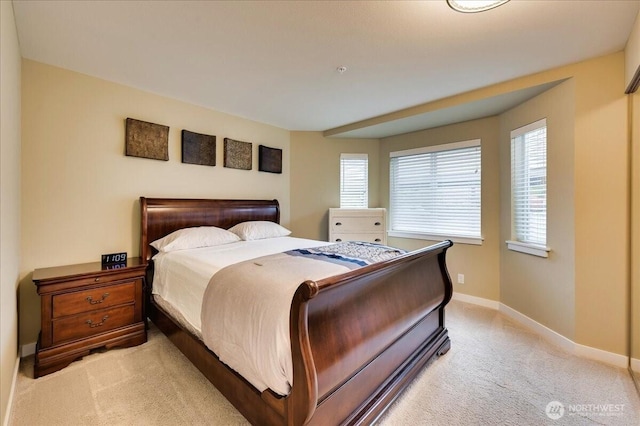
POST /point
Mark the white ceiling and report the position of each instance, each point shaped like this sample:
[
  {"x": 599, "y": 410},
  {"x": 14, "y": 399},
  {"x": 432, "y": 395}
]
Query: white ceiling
[{"x": 276, "y": 61}]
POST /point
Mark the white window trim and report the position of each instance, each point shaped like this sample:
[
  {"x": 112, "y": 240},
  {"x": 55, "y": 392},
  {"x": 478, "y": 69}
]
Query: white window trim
[
  {"x": 519, "y": 246},
  {"x": 436, "y": 237},
  {"x": 533, "y": 249},
  {"x": 460, "y": 239}
]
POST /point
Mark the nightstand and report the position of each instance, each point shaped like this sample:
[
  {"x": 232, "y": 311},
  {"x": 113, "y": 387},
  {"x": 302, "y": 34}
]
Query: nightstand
[{"x": 85, "y": 307}]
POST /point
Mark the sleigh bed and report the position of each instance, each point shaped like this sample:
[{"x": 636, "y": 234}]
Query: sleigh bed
[{"x": 357, "y": 338}]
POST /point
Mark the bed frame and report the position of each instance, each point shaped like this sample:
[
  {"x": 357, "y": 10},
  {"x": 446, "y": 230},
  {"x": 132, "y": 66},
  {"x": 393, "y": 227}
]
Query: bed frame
[{"x": 357, "y": 339}]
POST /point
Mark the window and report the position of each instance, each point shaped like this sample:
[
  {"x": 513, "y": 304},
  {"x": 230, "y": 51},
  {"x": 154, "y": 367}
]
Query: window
[
  {"x": 354, "y": 181},
  {"x": 529, "y": 189},
  {"x": 436, "y": 192}
]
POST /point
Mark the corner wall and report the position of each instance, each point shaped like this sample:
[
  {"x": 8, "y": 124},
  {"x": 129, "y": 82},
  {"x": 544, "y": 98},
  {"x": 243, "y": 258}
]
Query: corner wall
[
  {"x": 602, "y": 182},
  {"x": 9, "y": 201},
  {"x": 315, "y": 182},
  {"x": 543, "y": 289}
]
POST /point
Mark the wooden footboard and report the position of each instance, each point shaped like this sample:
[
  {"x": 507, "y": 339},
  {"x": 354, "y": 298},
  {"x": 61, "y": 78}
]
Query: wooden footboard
[{"x": 358, "y": 339}]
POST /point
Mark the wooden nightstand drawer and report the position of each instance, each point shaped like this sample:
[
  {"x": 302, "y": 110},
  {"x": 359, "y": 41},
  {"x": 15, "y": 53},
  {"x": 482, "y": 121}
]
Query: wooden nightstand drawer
[
  {"x": 88, "y": 324},
  {"x": 85, "y": 307},
  {"x": 90, "y": 300}
]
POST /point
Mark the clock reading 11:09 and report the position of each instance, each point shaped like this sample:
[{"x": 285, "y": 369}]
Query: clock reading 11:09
[{"x": 111, "y": 258}]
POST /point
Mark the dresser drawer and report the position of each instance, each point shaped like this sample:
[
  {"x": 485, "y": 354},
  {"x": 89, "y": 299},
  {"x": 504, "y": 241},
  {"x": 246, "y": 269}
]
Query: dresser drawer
[
  {"x": 92, "y": 323},
  {"x": 368, "y": 237},
  {"x": 90, "y": 300},
  {"x": 357, "y": 224}
]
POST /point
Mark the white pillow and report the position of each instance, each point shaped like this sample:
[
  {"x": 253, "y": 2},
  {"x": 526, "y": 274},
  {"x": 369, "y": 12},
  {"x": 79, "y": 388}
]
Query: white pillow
[
  {"x": 188, "y": 238},
  {"x": 259, "y": 229}
]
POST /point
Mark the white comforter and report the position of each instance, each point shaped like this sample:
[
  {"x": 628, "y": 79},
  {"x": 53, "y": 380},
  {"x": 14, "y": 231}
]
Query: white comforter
[
  {"x": 262, "y": 352},
  {"x": 180, "y": 277},
  {"x": 245, "y": 315}
]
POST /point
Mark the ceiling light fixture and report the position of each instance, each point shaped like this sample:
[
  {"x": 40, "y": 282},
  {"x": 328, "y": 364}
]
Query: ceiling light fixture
[{"x": 472, "y": 6}]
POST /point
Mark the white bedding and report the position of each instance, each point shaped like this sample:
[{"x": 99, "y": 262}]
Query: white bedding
[
  {"x": 238, "y": 296},
  {"x": 181, "y": 277}
]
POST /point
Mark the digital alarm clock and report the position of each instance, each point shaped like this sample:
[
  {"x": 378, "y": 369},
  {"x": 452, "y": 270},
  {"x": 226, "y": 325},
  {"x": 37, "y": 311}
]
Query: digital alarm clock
[{"x": 114, "y": 259}]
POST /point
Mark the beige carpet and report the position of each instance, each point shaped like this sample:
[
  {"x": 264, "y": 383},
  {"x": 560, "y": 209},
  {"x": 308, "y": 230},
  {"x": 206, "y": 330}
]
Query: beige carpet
[{"x": 497, "y": 373}]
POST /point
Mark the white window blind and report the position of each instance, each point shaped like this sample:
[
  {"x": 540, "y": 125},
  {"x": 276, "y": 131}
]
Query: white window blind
[
  {"x": 354, "y": 181},
  {"x": 436, "y": 191},
  {"x": 529, "y": 184}
]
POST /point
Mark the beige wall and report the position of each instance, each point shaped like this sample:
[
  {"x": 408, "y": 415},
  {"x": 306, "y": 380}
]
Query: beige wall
[
  {"x": 80, "y": 192},
  {"x": 478, "y": 263},
  {"x": 9, "y": 200},
  {"x": 315, "y": 179},
  {"x": 632, "y": 65},
  {"x": 543, "y": 288},
  {"x": 634, "y": 105},
  {"x": 602, "y": 204}
]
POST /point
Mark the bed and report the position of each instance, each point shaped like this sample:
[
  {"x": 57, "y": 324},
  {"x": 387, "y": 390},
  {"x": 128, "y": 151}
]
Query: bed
[{"x": 357, "y": 338}]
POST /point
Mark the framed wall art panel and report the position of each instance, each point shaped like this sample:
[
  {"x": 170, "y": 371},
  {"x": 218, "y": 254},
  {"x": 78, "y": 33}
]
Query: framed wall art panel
[
  {"x": 237, "y": 154},
  {"x": 269, "y": 159},
  {"x": 198, "y": 148},
  {"x": 146, "y": 140}
]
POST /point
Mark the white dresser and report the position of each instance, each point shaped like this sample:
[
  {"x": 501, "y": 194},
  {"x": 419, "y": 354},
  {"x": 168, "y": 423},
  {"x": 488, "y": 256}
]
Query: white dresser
[{"x": 358, "y": 225}]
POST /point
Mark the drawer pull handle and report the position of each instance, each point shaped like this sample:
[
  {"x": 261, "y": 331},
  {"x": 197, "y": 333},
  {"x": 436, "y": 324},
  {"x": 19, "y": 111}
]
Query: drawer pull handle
[
  {"x": 338, "y": 239},
  {"x": 338, "y": 223},
  {"x": 377, "y": 223},
  {"x": 95, "y": 280},
  {"x": 95, "y": 302},
  {"x": 98, "y": 324},
  {"x": 378, "y": 240}
]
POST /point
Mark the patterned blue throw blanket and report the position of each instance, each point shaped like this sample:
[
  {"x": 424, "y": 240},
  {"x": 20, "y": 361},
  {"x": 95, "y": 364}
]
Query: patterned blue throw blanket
[{"x": 351, "y": 254}]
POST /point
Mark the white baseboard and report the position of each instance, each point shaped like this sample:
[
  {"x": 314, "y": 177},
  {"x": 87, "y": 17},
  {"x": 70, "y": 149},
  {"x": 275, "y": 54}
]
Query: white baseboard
[
  {"x": 14, "y": 380},
  {"x": 635, "y": 365},
  {"x": 552, "y": 336},
  {"x": 28, "y": 349},
  {"x": 491, "y": 304},
  {"x": 603, "y": 356}
]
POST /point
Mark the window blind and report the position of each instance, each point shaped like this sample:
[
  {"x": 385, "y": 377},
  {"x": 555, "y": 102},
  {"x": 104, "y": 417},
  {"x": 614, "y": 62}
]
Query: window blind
[
  {"x": 437, "y": 190},
  {"x": 529, "y": 183},
  {"x": 354, "y": 181}
]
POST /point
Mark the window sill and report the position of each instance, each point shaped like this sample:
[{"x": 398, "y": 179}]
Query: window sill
[
  {"x": 436, "y": 237},
  {"x": 532, "y": 249}
]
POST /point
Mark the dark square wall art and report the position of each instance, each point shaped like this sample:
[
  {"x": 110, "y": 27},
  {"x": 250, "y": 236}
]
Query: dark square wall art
[
  {"x": 147, "y": 140},
  {"x": 269, "y": 159},
  {"x": 198, "y": 148}
]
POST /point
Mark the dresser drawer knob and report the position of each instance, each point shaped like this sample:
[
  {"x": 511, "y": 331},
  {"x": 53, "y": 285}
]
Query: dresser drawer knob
[
  {"x": 378, "y": 224},
  {"x": 98, "y": 324},
  {"x": 95, "y": 280},
  {"x": 338, "y": 223},
  {"x": 95, "y": 302},
  {"x": 338, "y": 239},
  {"x": 378, "y": 240}
]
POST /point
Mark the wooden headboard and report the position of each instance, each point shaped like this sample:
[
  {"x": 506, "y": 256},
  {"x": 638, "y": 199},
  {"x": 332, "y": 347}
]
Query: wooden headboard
[{"x": 162, "y": 216}]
